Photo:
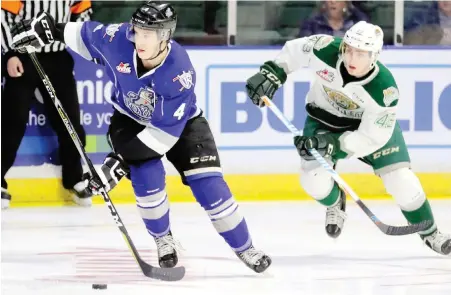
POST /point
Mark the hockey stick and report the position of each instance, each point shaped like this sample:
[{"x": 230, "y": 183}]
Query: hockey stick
[
  {"x": 165, "y": 274},
  {"x": 386, "y": 229}
]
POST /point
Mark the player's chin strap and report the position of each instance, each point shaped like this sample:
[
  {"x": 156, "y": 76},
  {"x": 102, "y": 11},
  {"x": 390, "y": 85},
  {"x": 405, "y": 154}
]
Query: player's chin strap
[{"x": 159, "y": 52}]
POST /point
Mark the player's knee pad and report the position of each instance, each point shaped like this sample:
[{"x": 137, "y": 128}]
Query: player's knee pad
[
  {"x": 214, "y": 195},
  {"x": 315, "y": 180},
  {"x": 405, "y": 187},
  {"x": 148, "y": 180}
]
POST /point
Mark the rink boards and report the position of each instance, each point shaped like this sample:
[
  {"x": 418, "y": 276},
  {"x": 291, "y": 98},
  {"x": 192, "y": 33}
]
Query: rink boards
[
  {"x": 277, "y": 187},
  {"x": 257, "y": 155}
]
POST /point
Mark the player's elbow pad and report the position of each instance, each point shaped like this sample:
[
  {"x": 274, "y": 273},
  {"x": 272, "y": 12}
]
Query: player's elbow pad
[{"x": 73, "y": 39}]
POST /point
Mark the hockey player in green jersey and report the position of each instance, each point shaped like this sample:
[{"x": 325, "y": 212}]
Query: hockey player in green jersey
[{"x": 351, "y": 109}]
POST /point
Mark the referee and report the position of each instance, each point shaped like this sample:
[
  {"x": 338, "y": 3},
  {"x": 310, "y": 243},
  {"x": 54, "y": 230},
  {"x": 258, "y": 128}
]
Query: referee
[{"x": 21, "y": 81}]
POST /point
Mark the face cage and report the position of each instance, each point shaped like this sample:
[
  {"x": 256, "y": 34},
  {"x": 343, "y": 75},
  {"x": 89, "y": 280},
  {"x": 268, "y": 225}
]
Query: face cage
[
  {"x": 162, "y": 34},
  {"x": 374, "y": 55}
]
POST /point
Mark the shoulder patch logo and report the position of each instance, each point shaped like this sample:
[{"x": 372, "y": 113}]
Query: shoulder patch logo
[
  {"x": 111, "y": 31},
  {"x": 323, "y": 42},
  {"x": 390, "y": 95},
  {"x": 186, "y": 79}
]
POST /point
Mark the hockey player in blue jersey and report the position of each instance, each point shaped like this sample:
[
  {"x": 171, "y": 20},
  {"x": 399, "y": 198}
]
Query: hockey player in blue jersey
[{"x": 155, "y": 114}]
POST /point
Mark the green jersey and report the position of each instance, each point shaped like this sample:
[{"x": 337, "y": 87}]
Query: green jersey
[{"x": 371, "y": 100}]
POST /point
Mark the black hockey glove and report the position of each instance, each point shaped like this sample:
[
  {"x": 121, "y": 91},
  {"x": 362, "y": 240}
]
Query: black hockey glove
[
  {"x": 112, "y": 171},
  {"x": 34, "y": 33},
  {"x": 326, "y": 144},
  {"x": 266, "y": 82}
]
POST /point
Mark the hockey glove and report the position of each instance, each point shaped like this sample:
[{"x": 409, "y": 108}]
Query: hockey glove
[
  {"x": 326, "y": 144},
  {"x": 112, "y": 171},
  {"x": 265, "y": 83},
  {"x": 34, "y": 33}
]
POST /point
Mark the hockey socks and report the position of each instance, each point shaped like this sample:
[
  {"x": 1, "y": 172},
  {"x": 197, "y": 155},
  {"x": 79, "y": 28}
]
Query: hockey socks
[
  {"x": 148, "y": 180},
  {"x": 215, "y": 197}
]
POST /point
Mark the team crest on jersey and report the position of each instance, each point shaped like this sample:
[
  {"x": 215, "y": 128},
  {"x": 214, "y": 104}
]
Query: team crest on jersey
[
  {"x": 111, "y": 31},
  {"x": 342, "y": 103},
  {"x": 323, "y": 42},
  {"x": 142, "y": 104},
  {"x": 326, "y": 75},
  {"x": 390, "y": 95},
  {"x": 186, "y": 79},
  {"x": 124, "y": 68}
]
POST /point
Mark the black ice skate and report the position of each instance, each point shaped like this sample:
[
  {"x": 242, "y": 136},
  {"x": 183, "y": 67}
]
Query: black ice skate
[
  {"x": 438, "y": 242},
  {"x": 6, "y": 199},
  {"x": 336, "y": 216},
  {"x": 167, "y": 248},
  {"x": 81, "y": 195},
  {"x": 255, "y": 259}
]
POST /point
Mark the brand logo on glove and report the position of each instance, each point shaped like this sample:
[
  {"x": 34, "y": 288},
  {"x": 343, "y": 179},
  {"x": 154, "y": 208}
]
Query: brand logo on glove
[
  {"x": 120, "y": 172},
  {"x": 271, "y": 77},
  {"x": 48, "y": 32}
]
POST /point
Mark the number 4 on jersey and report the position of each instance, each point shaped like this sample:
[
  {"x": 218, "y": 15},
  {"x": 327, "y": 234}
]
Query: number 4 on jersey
[{"x": 180, "y": 111}]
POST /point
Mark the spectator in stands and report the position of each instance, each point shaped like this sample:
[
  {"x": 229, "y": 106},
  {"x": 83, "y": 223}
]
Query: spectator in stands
[
  {"x": 430, "y": 27},
  {"x": 210, "y": 11},
  {"x": 334, "y": 18}
]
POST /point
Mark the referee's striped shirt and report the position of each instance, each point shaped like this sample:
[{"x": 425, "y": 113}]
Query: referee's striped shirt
[{"x": 62, "y": 10}]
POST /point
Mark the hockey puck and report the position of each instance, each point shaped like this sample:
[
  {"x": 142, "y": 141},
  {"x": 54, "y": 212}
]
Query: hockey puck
[{"x": 99, "y": 286}]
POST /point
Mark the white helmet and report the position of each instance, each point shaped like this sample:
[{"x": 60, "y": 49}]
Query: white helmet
[{"x": 365, "y": 36}]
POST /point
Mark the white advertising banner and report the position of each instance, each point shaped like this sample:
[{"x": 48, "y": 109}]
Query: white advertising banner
[{"x": 253, "y": 141}]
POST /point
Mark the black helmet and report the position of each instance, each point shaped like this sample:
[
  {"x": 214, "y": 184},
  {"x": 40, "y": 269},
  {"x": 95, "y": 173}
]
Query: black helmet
[{"x": 157, "y": 16}]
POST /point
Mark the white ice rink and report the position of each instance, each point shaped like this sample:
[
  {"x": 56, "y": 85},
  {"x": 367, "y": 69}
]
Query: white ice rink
[{"x": 64, "y": 250}]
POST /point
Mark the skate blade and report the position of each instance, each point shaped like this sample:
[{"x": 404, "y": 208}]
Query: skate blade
[
  {"x": 83, "y": 202},
  {"x": 5, "y": 204}
]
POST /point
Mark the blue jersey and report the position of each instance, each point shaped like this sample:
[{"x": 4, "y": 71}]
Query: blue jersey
[{"x": 162, "y": 99}]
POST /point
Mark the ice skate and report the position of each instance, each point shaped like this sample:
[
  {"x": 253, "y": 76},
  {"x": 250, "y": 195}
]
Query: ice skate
[
  {"x": 336, "y": 216},
  {"x": 6, "y": 199},
  {"x": 81, "y": 195},
  {"x": 255, "y": 259},
  {"x": 167, "y": 248},
  {"x": 439, "y": 242}
]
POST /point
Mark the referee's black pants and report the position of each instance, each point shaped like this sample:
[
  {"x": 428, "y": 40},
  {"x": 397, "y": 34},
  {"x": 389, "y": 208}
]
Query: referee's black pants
[{"x": 17, "y": 98}]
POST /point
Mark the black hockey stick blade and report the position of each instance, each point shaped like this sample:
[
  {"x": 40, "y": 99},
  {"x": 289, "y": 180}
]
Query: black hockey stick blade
[
  {"x": 408, "y": 229},
  {"x": 164, "y": 274},
  {"x": 395, "y": 230}
]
